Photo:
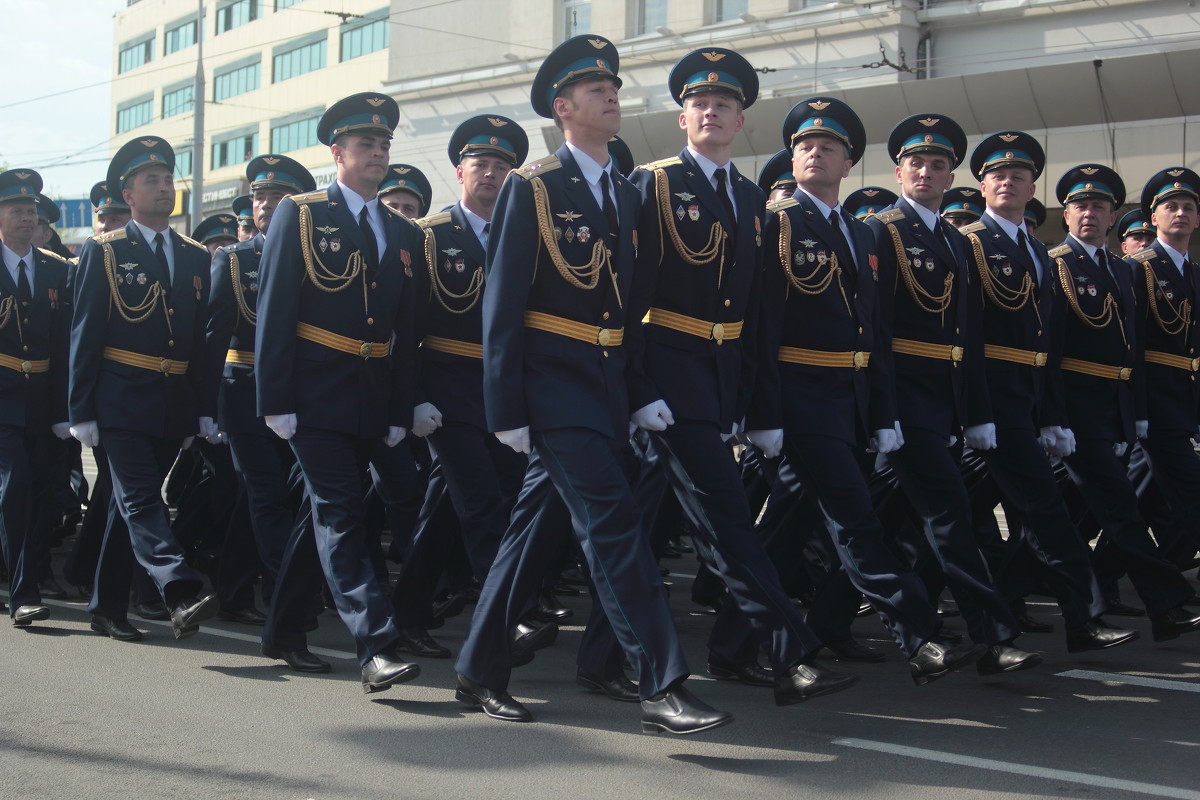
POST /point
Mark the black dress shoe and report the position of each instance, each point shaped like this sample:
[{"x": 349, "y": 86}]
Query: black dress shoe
[
  {"x": 417, "y": 641},
  {"x": 533, "y": 636},
  {"x": 448, "y": 605},
  {"x": 154, "y": 610},
  {"x": 496, "y": 704},
  {"x": 386, "y": 669},
  {"x": 681, "y": 712},
  {"x": 1119, "y": 609},
  {"x": 865, "y": 609},
  {"x": 49, "y": 588},
  {"x": 549, "y": 609},
  {"x": 120, "y": 630},
  {"x": 682, "y": 546},
  {"x": 934, "y": 660},
  {"x": 1006, "y": 658},
  {"x": 853, "y": 650},
  {"x": 300, "y": 660},
  {"x": 1030, "y": 625},
  {"x": 1165, "y": 627},
  {"x": 26, "y": 615},
  {"x": 750, "y": 673},
  {"x": 247, "y": 616},
  {"x": 619, "y": 688},
  {"x": 804, "y": 682},
  {"x": 187, "y": 614},
  {"x": 1095, "y": 635}
]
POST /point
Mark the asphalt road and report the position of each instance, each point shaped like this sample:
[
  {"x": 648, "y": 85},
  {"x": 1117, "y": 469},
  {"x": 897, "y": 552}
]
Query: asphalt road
[{"x": 87, "y": 717}]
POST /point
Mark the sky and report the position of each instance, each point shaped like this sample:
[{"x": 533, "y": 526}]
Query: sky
[{"x": 54, "y": 101}]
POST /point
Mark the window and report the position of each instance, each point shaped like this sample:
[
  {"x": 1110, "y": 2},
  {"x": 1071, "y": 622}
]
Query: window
[
  {"x": 651, "y": 15},
  {"x": 134, "y": 54},
  {"x": 237, "y": 12},
  {"x": 178, "y": 101},
  {"x": 294, "y": 134},
  {"x": 280, "y": 5},
  {"x": 183, "y": 164},
  {"x": 725, "y": 10},
  {"x": 181, "y": 36},
  {"x": 577, "y": 17},
  {"x": 361, "y": 38},
  {"x": 236, "y": 148},
  {"x": 135, "y": 113},
  {"x": 235, "y": 80},
  {"x": 299, "y": 59}
]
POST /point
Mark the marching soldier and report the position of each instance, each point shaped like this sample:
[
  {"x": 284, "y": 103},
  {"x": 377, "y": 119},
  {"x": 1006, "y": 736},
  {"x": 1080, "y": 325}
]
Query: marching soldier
[
  {"x": 111, "y": 212},
  {"x": 243, "y": 209},
  {"x": 962, "y": 205},
  {"x": 1135, "y": 232},
  {"x": 776, "y": 178},
  {"x": 216, "y": 231},
  {"x": 406, "y": 191},
  {"x": 868, "y": 201}
]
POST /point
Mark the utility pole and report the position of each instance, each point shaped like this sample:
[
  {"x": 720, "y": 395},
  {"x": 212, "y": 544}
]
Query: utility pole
[{"x": 198, "y": 122}]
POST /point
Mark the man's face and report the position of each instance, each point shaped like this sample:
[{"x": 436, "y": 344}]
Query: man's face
[
  {"x": 111, "y": 221},
  {"x": 362, "y": 157},
  {"x": 246, "y": 232},
  {"x": 481, "y": 178},
  {"x": 782, "y": 193},
  {"x": 959, "y": 222},
  {"x": 1008, "y": 189},
  {"x": 590, "y": 104},
  {"x": 711, "y": 118},
  {"x": 41, "y": 236},
  {"x": 263, "y": 203},
  {"x": 1089, "y": 220},
  {"x": 151, "y": 190},
  {"x": 406, "y": 204},
  {"x": 820, "y": 162},
  {"x": 1136, "y": 243},
  {"x": 925, "y": 177},
  {"x": 18, "y": 223},
  {"x": 217, "y": 243},
  {"x": 1176, "y": 216}
]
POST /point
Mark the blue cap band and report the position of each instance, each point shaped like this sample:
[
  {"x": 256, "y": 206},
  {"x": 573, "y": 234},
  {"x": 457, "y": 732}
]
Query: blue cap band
[
  {"x": 137, "y": 162},
  {"x": 1091, "y": 189},
  {"x": 399, "y": 183},
  {"x": 273, "y": 177},
  {"x": 356, "y": 122},
  {"x": 1008, "y": 158},
  {"x": 574, "y": 71},
  {"x": 963, "y": 206},
  {"x": 825, "y": 127},
  {"x": 713, "y": 79},
  {"x": 494, "y": 143},
  {"x": 926, "y": 141},
  {"x": 19, "y": 191},
  {"x": 1173, "y": 189}
]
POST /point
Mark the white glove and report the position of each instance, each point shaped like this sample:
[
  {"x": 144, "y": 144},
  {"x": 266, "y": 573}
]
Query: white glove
[
  {"x": 899, "y": 436},
  {"x": 981, "y": 437},
  {"x": 187, "y": 442},
  {"x": 733, "y": 432},
  {"x": 1064, "y": 440},
  {"x": 1141, "y": 427},
  {"x": 884, "y": 441},
  {"x": 1046, "y": 438},
  {"x": 61, "y": 429},
  {"x": 769, "y": 443},
  {"x": 208, "y": 429},
  {"x": 426, "y": 419},
  {"x": 953, "y": 440},
  {"x": 517, "y": 439},
  {"x": 394, "y": 436},
  {"x": 1119, "y": 448},
  {"x": 284, "y": 425},
  {"x": 653, "y": 417},
  {"x": 88, "y": 433}
]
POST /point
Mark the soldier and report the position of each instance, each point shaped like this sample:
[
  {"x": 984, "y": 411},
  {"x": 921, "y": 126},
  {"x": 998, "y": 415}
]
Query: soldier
[
  {"x": 776, "y": 178},
  {"x": 700, "y": 235},
  {"x": 1135, "y": 232},
  {"x": 554, "y": 385},
  {"x": 962, "y": 205},
  {"x": 137, "y": 368},
  {"x": 111, "y": 212},
  {"x": 243, "y": 209},
  {"x": 216, "y": 231},
  {"x": 35, "y": 318},
  {"x": 869, "y": 201},
  {"x": 406, "y": 191},
  {"x": 335, "y": 347}
]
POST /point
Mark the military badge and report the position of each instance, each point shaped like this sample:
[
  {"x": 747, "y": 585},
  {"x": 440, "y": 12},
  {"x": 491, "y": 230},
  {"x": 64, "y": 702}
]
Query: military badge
[
  {"x": 52, "y": 293},
  {"x": 557, "y": 234},
  {"x": 406, "y": 260},
  {"x": 810, "y": 256},
  {"x": 1092, "y": 289},
  {"x": 585, "y": 234},
  {"x": 327, "y": 229},
  {"x": 452, "y": 251},
  {"x": 917, "y": 263},
  {"x": 460, "y": 265},
  {"x": 446, "y": 265},
  {"x": 129, "y": 279},
  {"x": 335, "y": 245},
  {"x": 323, "y": 244},
  {"x": 694, "y": 212},
  {"x": 253, "y": 287},
  {"x": 128, "y": 266},
  {"x": 679, "y": 212},
  {"x": 686, "y": 197},
  {"x": 198, "y": 285},
  {"x": 757, "y": 232},
  {"x": 141, "y": 279},
  {"x": 799, "y": 258},
  {"x": 568, "y": 216},
  {"x": 873, "y": 262},
  {"x": 1006, "y": 269},
  {"x": 569, "y": 235}
]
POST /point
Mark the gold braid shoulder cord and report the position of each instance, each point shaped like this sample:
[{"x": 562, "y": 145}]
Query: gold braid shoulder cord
[
  {"x": 716, "y": 236},
  {"x": 1001, "y": 296},
  {"x": 806, "y": 285},
  {"x": 439, "y": 290},
  {"x": 938, "y": 303},
  {"x": 1097, "y": 322},
  {"x": 1183, "y": 314},
  {"x": 585, "y": 276},
  {"x": 8, "y": 313},
  {"x": 238, "y": 292},
  {"x": 132, "y": 314},
  {"x": 326, "y": 280}
]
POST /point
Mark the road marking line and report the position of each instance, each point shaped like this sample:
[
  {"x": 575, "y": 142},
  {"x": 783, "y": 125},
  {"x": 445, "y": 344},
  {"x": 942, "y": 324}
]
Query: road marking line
[
  {"x": 1131, "y": 680},
  {"x": 1028, "y": 770}
]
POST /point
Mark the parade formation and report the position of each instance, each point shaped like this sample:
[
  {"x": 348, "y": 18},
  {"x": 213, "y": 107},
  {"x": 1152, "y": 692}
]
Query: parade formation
[{"x": 544, "y": 387}]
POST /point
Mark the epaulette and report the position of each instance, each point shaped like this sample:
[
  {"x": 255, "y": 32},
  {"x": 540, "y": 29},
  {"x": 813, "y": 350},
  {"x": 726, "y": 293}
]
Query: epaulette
[
  {"x": 192, "y": 241},
  {"x": 972, "y": 228},
  {"x": 111, "y": 236},
  {"x": 780, "y": 205},
  {"x": 538, "y": 167},
  {"x": 1061, "y": 250},
  {"x": 319, "y": 196},
  {"x": 895, "y": 215},
  {"x": 54, "y": 255},
  {"x": 1145, "y": 255},
  {"x": 434, "y": 219},
  {"x": 661, "y": 163}
]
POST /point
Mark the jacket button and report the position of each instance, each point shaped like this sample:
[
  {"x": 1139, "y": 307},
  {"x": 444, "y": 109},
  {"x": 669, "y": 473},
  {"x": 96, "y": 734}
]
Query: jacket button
[
  {"x": 370, "y": 320},
  {"x": 373, "y": 284},
  {"x": 170, "y": 312},
  {"x": 170, "y": 343},
  {"x": 605, "y": 353},
  {"x": 604, "y": 315},
  {"x": 727, "y": 304},
  {"x": 860, "y": 329}
]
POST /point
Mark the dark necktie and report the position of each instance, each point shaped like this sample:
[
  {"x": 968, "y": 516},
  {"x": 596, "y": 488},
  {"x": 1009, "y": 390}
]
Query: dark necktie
[
  {"x": 610, "y": 210},
  {"x": 371, "y": 247},
  {"x": 1023, "y": 243},
  {"x": 161, "y": 254},
  {"x": 839, "y": 241},
  {"x": 483, "y": 237},
  {"x": 24, "y": 293},
  {"x": 1102, "y": 262},
  {"x": 723, "y": 194}
]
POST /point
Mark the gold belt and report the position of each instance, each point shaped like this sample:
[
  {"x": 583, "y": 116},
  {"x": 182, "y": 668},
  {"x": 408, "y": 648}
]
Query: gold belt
[
  {"x": 592, "y": 334},
  {"x": 243, "y": 357},
  {"x": 1097, "y": 370},
  {"x": 1169, "y": 360},
  {"x": 164, "y": 365},
  {"x": 24, "y": 366},
  {"x": 717, "y": 331},
  {"x": 943, "y": 352},
  {"x": 453, "y": 346},
  {"x": 857, "y": 359},
  {"x": 343, "y": 344},
  {"x": 1027, "y": 357}
]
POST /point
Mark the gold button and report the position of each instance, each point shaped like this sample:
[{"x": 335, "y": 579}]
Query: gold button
[
  {"x": 605, "y": 352},
  {"x": 860, "y": 329},
  {"x": 25, "y": 348},
  {"x": 604, "y": 315},
  {"x": 956, "y": 330},
  {"x": 370, "y": 320},
  {"x": 373, "y": 284},
  {"x": 1039, "y": 333},
  {"x": 727, "y": 304},
  {"x": 25, "y": 321},
  {"x": 170, "y": 343},
  {"x": 170, "y": 312}
]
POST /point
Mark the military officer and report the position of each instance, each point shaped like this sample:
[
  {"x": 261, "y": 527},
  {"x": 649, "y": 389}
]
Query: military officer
[
  {"x": 1035, "y": 214},
  {"x": 406, "y": 191},
  {"x": 962, "y": 205},
  {"x": 243, "y": 209},
  {"x": 554, "y": 384},
  {"x": 216, "y": 231},
  {"x": 111, "y": 212},
  {"x": 776, "y": 178},
  {"x": 1022, "y": 334},
  {"x": 829, "y": 390},
  {"x": 700, "y": 245},
  {"x": 1135, "y": 232},
  {"x": 137, "y": 368},
  {"x": 868, "y": 201},
  {"x": 1100, "y": 356},
  {"x": 334, "y": 353},
  {"x": 35, "y": 316}
]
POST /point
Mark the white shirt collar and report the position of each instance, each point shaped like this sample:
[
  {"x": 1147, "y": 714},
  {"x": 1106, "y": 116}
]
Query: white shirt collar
[
  {"x": 355, "y": 203},
  {"x": 12, "y": 262},
  {"x": 148, "y": 234},
  {"x": 590, "y": 168},
  {"x": 1090, "y": 249},
  {"x": 822, "y": 208},
  {"x": 930, "y": 218},
  {"x": 1176, "y": 257},
  {"x": 1009, "y": 228},
  {"x": 477, "y": 222}
]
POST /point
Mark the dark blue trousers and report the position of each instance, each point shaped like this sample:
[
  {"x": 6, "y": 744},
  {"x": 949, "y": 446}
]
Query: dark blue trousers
[
  {"x": 24, "y": 461},
  {"x": 265, "y": 463}
]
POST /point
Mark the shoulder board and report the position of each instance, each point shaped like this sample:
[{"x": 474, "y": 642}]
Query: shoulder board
[
  {"x": 319, "y": 196},
  {"x": 972, "y": 228},
  {"x": 53, "y": 255},
  {"x": 895, "y": 215},
  {"x": 192, "y": 241},
  {"x": 538, "y": 167},
  {"x": 662, "y": 162},
  {"x": 111, "y": 236},
  {"x": 780, "y": 205},
  {"x": 1060, "y": 251},
  {"x": 439, "y": 218},
  {"x": 1149, "y": 254}
]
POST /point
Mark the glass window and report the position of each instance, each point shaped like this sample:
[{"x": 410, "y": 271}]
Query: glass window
[
  {"x": 237, "y": 13},
  {"x": 577, "y": 17},
  {"x": 178, "y": 101},
  {"x": 652, "y": 15},
  {"x": 280, "y": 5},
  {"x": 300, "y": 60},
  {"x": 724, "y": 10},
  {"x": 179, "y": 37},
  {"x": 236, "y": 150},
  {"x": 135, "y": 116},
  {"x": 132, "y": 56},
  {"x": 183, "y": 163},
  {"x": 235, "y": 82},
  {"x": 294, "y": 135},
  {"x": 363, "y": 39}
]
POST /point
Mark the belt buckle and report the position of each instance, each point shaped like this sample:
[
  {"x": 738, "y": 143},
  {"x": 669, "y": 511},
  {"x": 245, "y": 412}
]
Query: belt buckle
[
  {"x": 1039, "y": 359},
  {"x": 718, "y": 332},
  {"x": 164, "y": 366},
  {"x": 26, "y": 367},
  {"x": 364, "y": 349},
  {"x": 956, "y": 353},
  {"x": 860, "y": 359},
  {"x": 603, "y": 337},
  {"x": 1125, "y": 373},
  {"x": 1195, "y": 364}
]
